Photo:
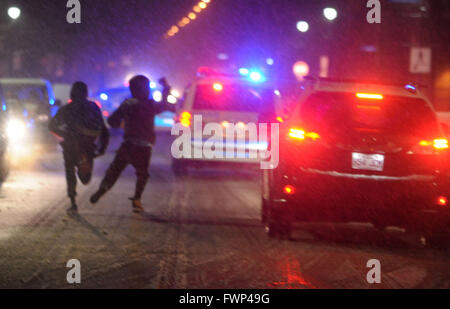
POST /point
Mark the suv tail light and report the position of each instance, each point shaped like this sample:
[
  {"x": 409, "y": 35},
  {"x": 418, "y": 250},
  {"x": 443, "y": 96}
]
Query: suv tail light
[
  {"x": 437, "y": 144},
  {"x": 300, "y": 134}
]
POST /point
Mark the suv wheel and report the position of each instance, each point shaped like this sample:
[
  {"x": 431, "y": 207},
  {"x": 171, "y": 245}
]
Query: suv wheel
[
  {"x": 439, "y": 240},
  {"x": 277, "y": 225}
]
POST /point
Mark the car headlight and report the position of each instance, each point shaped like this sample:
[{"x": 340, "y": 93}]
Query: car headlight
[{"x": 16, "y": 130}]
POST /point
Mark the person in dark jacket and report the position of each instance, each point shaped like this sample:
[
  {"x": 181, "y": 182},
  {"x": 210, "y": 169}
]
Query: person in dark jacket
[
  {"x": 81, "y": 125},
  {"x": 138, "y": 115}
]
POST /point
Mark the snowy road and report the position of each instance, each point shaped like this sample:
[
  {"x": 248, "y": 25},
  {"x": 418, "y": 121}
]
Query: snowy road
[{"x": 202, "y": 231}]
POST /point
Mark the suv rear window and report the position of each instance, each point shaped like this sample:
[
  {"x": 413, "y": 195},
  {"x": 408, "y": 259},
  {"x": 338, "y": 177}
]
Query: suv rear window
[
  {"x": 343, "y": 113},
  {"x": 233, "y": 97}
]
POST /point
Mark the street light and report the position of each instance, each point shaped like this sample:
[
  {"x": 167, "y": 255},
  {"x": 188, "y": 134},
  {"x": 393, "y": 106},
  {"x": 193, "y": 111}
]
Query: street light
[
  {"x": 302, "y": 26},
  {"x": 330, "y": 13},
  {"x": 14, "y": 12}
]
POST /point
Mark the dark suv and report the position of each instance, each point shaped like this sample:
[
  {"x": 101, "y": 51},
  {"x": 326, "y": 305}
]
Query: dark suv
[{"x": 355, "y": 152}]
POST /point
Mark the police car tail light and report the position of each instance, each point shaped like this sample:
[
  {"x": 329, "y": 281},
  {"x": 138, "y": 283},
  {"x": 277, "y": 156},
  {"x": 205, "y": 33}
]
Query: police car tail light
[
  {"x": 185, "y": 119},
  {"x": 369, "y": 96},
  {"x": 301, "y": 134},
  {"x": 218, "y": 87}
]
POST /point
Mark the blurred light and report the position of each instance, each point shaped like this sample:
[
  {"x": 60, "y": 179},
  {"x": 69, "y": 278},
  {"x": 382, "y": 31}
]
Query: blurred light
[
  {"x": 152, "y": 85},
  {"x": 277, "y": 93},
  {"x": 52, "y": 101},
  {"x": 442, "y": 201},
  {"x": 171, "y": 99},
  {"x": 157, "y": 96},
  {"x": 4, "y": 107},
  {"x": 218, "y": 87},
  {"x": 105, "y": 113},
  {"x": 280, "y": 119},
  {"x": 197, "y": 9},
  {"x": 289, "y": 190},
  {"x": 104, "y": 96},
  {"x": 202, "y": 5},
  {"x": 411, "y": 88},
  {"x": 225, "y": 124},
  {"x": 297, "y": 134},
  {"x": 256, "y": 76},
  {"x": 185, "y": 119},
  {"x": 14, "y": 12},
  {"x": 16, "y": 130},
  {"x": 441, "y": 143},
  {"x": 330, "y": 13},
  {"x": 302, "y": 26},
  {"x": 370, "y": 96},
  {"x": 192, "y": 16},
  {"x": 270, "y": 61},
  {"x": 300, "y": 69},
  {"x": 244, "y": 71},
  {"x": 241, "y": 125},
  {"x": 222, "y": 56},
  {"x": 206, "y": 1},
  {"x": 175, "y": 93},
  {"x": 186, "y": 20}
]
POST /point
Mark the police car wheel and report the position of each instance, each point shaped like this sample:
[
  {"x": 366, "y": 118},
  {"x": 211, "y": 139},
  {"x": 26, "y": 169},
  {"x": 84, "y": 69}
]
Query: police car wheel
[{"x": 179, "y": 168}]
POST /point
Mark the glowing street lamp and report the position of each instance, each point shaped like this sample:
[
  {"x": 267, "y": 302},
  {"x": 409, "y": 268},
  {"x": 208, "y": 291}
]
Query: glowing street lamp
[
  {"x": 302, "y": 26},
  {"x": 330, "y": 13},
  {"x": 14, "y": 12}
]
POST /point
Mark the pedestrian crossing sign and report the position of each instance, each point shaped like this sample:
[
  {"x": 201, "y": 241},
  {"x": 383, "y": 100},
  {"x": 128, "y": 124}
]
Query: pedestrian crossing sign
[{"x": 420, "y": 60}]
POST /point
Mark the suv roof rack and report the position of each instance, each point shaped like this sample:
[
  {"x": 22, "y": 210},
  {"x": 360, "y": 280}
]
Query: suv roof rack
[{"x": 356, "y": 81}]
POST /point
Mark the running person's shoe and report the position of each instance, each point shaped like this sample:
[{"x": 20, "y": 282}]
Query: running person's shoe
[{"x": 137, "y": 205}]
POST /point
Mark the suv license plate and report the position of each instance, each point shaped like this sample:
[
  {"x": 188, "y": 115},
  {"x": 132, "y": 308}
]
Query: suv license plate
[{"x": 372, "y": 162}]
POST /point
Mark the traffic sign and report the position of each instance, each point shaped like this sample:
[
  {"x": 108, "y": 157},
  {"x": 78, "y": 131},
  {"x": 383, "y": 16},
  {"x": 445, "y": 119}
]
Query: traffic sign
[{"x": 420, "y": 60}]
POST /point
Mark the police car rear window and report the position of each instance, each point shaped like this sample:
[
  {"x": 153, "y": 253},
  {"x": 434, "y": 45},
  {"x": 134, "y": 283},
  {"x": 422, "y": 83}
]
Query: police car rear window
[{"x": 228, "y": 97}]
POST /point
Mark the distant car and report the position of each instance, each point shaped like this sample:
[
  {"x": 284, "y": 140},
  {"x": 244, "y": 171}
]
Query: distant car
[
  {"x": 4, "y": 164},
  {"x": 360, "y": 152},
  {"x": 110, "y": 100},
  {"x": 28, "y": 104},
  {"x": 234, "y": 102}
]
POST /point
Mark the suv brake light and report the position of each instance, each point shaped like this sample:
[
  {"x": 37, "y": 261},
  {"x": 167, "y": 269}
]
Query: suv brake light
[
  {"x": 300, "y": 134},
  {"x": 438, "y": 144},
  {"x": 370, "y": 96}
]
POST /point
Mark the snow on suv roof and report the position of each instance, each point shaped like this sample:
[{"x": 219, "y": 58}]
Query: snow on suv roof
[{"x": 369, "y": 87}]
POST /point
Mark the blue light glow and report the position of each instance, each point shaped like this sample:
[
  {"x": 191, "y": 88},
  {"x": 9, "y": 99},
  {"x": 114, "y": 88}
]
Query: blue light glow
[
  {"x": 104, "y": 96},
  {"x": 52, "y": 101},
  {"x": 244, "y": 71},
  {"x": 4, "y": 107},
  {"x": 410, "y": 87},
  {"x": 256, "y": 77}
]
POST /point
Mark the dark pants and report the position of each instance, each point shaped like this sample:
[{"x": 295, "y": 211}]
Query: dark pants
[
  {"x": 79, "y": 157},
  {"x": 139, "y": 157}
]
